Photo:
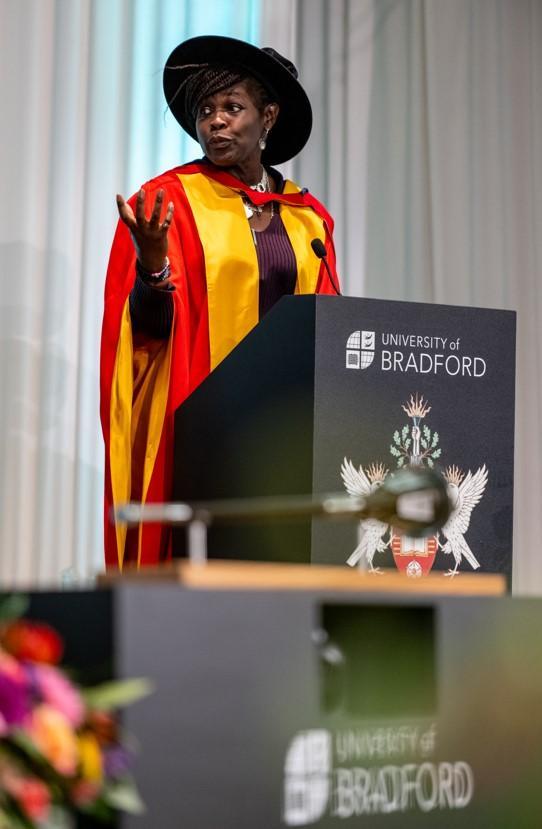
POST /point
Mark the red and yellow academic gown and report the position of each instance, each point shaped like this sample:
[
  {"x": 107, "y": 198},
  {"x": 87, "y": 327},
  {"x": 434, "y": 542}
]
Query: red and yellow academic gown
[{"x": 215, "y": 272}]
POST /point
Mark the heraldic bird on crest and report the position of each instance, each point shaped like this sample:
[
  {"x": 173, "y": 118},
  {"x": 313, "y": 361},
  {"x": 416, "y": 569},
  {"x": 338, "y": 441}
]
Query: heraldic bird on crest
[
  {"x": 358, "y": 483},
  {"x": 464, "y": 495}
]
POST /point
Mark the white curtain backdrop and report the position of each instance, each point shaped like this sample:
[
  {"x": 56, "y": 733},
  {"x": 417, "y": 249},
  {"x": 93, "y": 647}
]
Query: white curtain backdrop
[
  {"x": 428, "y": 151},
  {"x": 427, "y": 148}
]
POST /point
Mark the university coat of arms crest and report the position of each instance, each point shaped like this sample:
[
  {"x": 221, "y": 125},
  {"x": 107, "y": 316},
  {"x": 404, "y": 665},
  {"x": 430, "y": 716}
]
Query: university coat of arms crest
[{"x": 417, "y": 445}]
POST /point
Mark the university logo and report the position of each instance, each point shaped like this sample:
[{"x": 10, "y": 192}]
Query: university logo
[
  {"x": 417, "y": 445},
  {"x": 375, "y": 769},
  {"x": 360, "y": 349},
  {"x": 307, "y": 777}
]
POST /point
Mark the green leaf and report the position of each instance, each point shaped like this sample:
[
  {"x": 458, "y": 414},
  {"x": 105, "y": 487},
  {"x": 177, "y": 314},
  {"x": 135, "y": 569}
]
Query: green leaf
[
  {"x": 12, "y": 820},
  {"x": 5, "y": 820},
  {"x": 100, "y": 810},
  {"x": 430, "y": 463},
  {"x": 400, "y": 462},
  {"x": 435, "y": 439},
  {"x": 124, "y": 796},
  {"x": 405, "y": 431},
  {"x": 117, "y": 694},
  {"x": 427, "y": 432},
  {"x": 408, "y": 441},
  {"x": 12, "y": 815},
  {"x": 423, "y": 443},
  {"x": 396, "y": 437},
  {"x": 24, "y": 743},
  {"x": 393, "y": 451},
  {"x": 13, "y": 607},
  {"x": 437, "y": 453}
]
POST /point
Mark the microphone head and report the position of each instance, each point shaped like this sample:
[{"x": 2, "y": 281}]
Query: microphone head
[
  {"x": 414, "y": 500},
  {"x": 319, "y": 248}
]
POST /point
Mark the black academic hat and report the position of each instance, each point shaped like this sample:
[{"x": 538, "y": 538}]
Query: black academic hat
[{"x": 277, "y": 74}]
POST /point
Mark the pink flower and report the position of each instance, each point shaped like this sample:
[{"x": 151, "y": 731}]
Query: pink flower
[
  {"x": 58, "y": 692},
  {"x": 14, "y": 696},
  {"x": 11, "y": 667},
  {"x": 54, "y": 737}
]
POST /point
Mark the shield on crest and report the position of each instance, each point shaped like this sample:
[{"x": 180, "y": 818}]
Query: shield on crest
[{"x": 413, "y": 556}]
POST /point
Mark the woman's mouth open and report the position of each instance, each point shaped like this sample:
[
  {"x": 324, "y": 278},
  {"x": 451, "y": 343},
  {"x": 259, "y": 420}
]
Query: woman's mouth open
[{"x": 218, "y": 142}]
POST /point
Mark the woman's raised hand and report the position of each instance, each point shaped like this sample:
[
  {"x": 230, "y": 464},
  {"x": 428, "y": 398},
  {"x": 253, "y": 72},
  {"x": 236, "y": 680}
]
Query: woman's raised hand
[{"x": 149, "y": 235}]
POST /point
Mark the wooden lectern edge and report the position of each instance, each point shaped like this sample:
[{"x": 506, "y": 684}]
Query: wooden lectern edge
[{"x": 242, "y": 575}]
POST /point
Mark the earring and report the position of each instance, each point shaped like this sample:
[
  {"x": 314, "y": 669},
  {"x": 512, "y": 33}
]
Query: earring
[{"x": 263, "y": 140}]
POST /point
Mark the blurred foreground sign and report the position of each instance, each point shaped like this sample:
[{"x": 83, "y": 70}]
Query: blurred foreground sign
[{"x": 314, "y": 708}]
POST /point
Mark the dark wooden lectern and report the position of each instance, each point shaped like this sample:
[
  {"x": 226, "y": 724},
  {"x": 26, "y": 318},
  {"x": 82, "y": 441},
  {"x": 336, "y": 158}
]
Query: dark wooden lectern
[{"x": 379, "y": 384}]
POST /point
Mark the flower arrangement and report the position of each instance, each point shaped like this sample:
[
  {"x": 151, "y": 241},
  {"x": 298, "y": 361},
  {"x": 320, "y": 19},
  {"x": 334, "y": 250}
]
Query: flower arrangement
[{"x": 61, "y": 749}]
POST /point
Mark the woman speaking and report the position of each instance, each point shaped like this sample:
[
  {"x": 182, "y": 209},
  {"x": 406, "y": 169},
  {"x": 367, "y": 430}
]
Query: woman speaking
[{"x": 201, "y": 253}]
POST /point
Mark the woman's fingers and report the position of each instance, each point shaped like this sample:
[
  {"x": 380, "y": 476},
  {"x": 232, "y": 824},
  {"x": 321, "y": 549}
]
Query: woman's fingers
[
  {"x": 138, "y": 224},
  {"x": 169, "y": 215},
  {"x": 154, "y": 220},
  {"x": 125, "y": 212},
  {"x": 140, "y": 208}
]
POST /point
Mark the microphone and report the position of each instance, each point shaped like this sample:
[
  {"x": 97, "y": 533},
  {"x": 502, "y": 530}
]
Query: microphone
[
  {"x": 413, "y": 500},
  {"x": 320, "y": 251}
]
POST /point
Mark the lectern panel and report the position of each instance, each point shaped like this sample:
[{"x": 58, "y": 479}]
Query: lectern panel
[{"x": 399, "y": 383}]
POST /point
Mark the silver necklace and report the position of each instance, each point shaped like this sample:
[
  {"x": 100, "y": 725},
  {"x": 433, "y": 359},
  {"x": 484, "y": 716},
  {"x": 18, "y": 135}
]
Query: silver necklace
[{"x": 262, "y": 186}]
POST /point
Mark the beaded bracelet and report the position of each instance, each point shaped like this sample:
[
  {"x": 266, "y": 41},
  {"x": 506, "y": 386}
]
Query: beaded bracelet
[{"x": 153, "y": 278}]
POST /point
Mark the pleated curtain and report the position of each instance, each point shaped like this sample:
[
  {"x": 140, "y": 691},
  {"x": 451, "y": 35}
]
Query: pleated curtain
[{"x": 427, "y": 149}]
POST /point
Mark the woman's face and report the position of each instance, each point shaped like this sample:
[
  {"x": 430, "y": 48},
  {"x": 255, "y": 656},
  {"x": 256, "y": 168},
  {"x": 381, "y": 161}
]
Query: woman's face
[{"x": 229, "y": 126}]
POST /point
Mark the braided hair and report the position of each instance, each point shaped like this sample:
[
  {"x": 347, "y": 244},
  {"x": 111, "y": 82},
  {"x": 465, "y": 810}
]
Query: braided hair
[{"x": 207, "y": 80}]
